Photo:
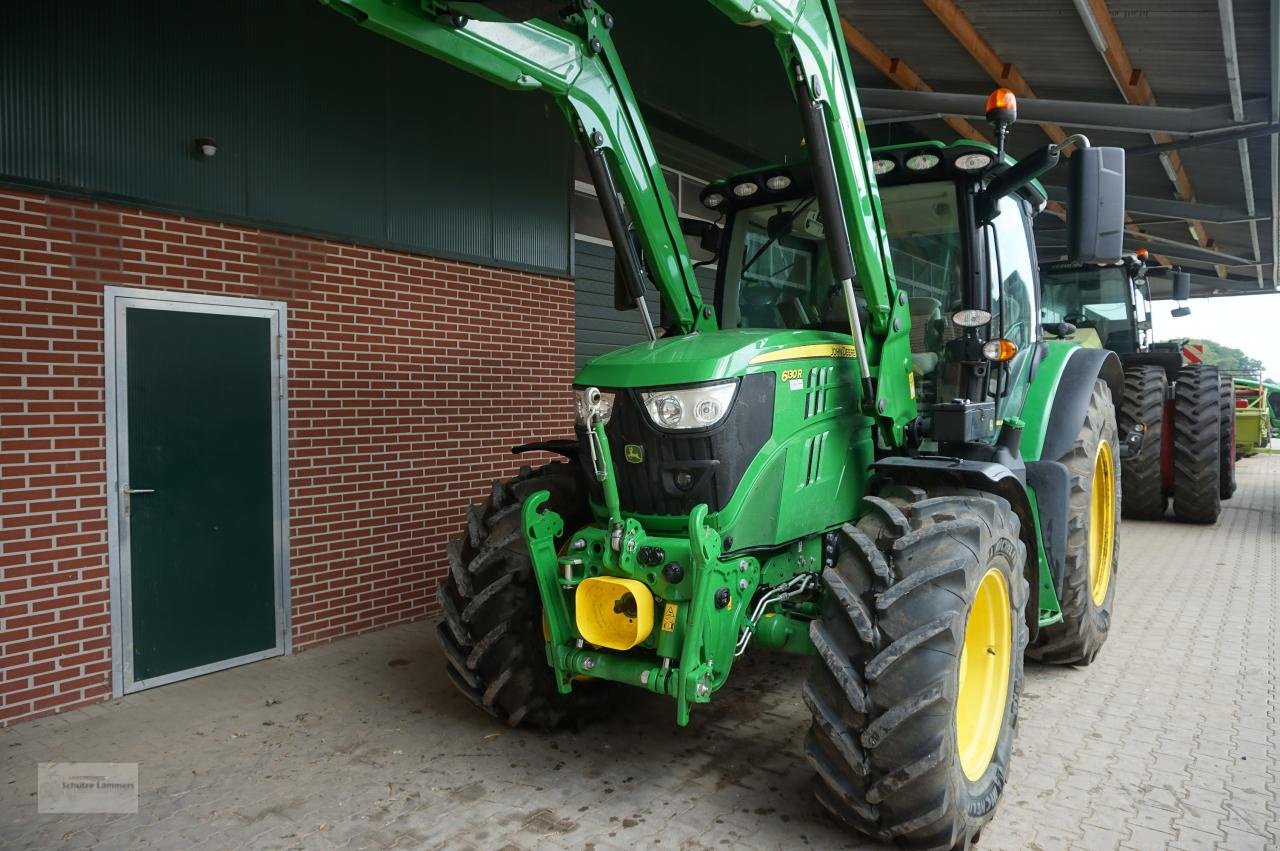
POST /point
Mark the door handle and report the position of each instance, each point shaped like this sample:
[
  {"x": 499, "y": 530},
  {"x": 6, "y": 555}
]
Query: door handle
[{"x": 126, "y": 497}]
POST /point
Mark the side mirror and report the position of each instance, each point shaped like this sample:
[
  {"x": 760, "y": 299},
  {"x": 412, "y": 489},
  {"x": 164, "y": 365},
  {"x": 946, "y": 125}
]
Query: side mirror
[
  {"x": 1181, "y": 292},
  {"x": 1181, "y": 286},
  {"x": 1060, "y": 330},
  {"x": 708, "y": 234},
  {"x": 1095, "y": 209}
]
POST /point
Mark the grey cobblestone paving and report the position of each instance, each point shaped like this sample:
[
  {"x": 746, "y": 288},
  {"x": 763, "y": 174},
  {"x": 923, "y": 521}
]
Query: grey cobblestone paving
[{"x": 1168, "y": 740}]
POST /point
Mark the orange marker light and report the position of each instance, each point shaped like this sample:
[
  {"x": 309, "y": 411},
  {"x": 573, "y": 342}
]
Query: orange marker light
[
  {"x": 1142, "y": 253},
  {"x": 1002, "y": 99},
  {"x": 999, "y": 350},
  {"x": 1002, "y": 107}
]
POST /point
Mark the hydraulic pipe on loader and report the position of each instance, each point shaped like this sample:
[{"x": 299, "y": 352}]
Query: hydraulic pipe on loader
[{"x": 581, "y": 71}]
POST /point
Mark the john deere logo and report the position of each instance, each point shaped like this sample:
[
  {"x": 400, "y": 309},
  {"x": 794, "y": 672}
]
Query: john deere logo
[{"x": 634, "y": 453}]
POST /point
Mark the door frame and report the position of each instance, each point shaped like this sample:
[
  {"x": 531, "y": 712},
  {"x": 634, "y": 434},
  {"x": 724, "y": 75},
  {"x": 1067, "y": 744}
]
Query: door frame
[{"x": 116, "y": 301}]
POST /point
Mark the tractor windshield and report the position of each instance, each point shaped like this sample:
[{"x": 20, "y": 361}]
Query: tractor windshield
[
  {"x": 776, "y": 272},
  {"x": 1096, "y": 300}
]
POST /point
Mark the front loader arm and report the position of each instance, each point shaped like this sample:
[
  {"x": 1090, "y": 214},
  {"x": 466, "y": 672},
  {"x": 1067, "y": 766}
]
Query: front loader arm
[
  {"x": 580, "y": 69},
  {"x": 809, "y": 38}
]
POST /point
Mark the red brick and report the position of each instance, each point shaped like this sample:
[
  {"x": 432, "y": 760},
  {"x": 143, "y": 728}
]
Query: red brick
[{"x": 382, "y": 346}]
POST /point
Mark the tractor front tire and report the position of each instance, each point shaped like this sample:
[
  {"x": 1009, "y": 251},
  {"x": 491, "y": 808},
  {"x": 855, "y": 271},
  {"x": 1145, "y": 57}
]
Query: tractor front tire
[
  {"x": 1093, "y": 544},
  {"x": 1143, "y": 408},
  {"x": 1226, "y": 437},
  {"x": 1196, "y": 470},
  {"x": 492, "y": 631},
  {"x": 915, "y": 689}
]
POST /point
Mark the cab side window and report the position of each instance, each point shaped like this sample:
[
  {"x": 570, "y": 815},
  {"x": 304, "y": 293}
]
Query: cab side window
[{"x": 1011, "y": 264}]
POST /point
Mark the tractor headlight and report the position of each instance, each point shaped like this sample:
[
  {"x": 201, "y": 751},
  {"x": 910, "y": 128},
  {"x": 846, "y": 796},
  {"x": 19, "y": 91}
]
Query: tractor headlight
[
  {"x": 592, "y": 403},
  {"x": 689, "y": 407}
]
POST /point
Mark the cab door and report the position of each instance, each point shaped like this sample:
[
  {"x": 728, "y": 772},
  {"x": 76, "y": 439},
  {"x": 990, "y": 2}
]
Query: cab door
[{"x": 1011, "y": 274}]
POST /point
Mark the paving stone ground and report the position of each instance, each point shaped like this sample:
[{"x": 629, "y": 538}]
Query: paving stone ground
[{"x": 1169, "y": 740}]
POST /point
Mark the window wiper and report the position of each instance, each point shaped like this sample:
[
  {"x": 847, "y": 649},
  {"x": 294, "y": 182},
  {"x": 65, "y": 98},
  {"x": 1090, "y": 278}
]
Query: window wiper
[{"x": 784, "y": 227}]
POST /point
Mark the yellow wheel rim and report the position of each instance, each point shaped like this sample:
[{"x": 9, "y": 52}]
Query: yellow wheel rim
[
  {"x": 1102, "y": 524},
  {"x": 985, "y": 661}
]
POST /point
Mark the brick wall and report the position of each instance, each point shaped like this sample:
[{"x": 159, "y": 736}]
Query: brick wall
[{"x": 409, "y": 377}]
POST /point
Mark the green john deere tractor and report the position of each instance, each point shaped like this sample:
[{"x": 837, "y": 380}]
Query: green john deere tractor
[
  {"x": 1177, "y": 420},
  {"x": 864, "y": 452}
]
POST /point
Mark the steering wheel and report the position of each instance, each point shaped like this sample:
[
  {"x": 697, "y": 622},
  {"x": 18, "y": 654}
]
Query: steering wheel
[{"x": 1076, "y": 319}]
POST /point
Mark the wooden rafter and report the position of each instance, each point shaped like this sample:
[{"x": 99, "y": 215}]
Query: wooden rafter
[
  {"x": 1003, "y": 74},
  {"x": 905, "y": 77},
  {"x": 902, "y": 75}
]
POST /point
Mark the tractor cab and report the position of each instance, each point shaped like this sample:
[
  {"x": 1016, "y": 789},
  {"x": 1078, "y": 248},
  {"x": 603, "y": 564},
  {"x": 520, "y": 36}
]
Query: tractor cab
[
  {"x": 1108, "y": 306},
  {"x": 960, "y": 257}
]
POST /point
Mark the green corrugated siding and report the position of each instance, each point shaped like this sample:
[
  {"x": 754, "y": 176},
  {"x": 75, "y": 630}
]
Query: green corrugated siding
[
  {"x": 322, "y": 127},
  {"x": 598, "y": 327}
]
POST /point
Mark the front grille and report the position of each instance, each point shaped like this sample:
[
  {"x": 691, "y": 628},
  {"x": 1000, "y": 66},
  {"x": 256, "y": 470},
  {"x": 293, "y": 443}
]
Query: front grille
[{"x": 715, "y": 459}]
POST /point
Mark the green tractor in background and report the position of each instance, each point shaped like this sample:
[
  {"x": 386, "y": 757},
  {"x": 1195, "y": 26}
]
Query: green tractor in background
[
  {"x": 863, "y": 452},
  {"x": 1177, "y": 420}
]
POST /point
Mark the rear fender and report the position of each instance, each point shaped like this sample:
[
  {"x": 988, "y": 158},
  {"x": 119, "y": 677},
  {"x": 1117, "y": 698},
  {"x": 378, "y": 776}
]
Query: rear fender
[{"x": 937, "y": 472}]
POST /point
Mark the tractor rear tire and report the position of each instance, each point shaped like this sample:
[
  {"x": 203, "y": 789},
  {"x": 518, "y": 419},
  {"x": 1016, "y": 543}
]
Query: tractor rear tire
[
  {"x": 1093, "y": 543},
  {"x": 893, "y": 748},
  {"x": 492, "y": 630},
  {"x": 1143, "y": 408},
  {"x": 1226, "y": 437},
  {"x": 1196, "y": 471}
]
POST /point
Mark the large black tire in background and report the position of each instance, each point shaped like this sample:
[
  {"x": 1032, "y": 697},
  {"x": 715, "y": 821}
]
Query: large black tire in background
[
  {"x": 1196, "y": 478},
  {"x": 1226, "y": 436},
  {"x": 884, "y": 690},
  {"x": 492, "y": 631},
  {"x": 1093, "y": 541},
  {"x": 1143, "y": 408}
]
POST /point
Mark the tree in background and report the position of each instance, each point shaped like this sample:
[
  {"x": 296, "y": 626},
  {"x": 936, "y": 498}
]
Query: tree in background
[{"x": 1226, "y": 357}]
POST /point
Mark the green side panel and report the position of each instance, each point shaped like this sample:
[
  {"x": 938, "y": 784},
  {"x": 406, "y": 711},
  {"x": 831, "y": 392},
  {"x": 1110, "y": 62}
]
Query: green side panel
[
  {"x": 322, "y": 128},
  {"x": 28, "y": 92},
  {"x": 202, "y": 546},
  {"x": 317, "y": 125},
  {"x": 136, "y": 89}
]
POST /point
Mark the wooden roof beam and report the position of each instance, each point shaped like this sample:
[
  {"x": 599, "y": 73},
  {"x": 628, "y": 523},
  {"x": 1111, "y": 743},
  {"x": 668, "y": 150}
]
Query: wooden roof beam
[
  {"x": 1003, "y": 74},
  {"x": 905, "y": 77}
]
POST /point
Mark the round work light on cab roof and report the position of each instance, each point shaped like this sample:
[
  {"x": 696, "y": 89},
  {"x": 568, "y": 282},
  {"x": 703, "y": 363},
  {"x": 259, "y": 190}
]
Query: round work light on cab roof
[
  {"x": 923, "y": 162},
  {"x": 712, "y": 200},
  {"x": 884, "y": 165},
  {"x": 745, "y": 189},
  {"x": 975, "y": 161},
  {"x": 778, "y": 182}
]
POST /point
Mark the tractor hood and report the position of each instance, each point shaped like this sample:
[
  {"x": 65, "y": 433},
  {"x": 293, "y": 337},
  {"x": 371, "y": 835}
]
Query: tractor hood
[{"x": 710, "y": 356}]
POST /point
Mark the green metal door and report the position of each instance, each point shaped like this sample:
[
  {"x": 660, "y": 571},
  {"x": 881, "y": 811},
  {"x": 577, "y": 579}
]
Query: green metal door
[{"x": 198, "y": 501}]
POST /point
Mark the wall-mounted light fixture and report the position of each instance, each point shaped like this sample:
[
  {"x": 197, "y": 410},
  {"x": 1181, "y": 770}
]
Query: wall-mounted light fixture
[{"x": 206, "y": 146}]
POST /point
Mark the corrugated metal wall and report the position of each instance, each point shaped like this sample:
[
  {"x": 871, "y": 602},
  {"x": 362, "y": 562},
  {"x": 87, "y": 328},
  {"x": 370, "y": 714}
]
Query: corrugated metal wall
[
  {"x": 321, "y": 127},
  {"x": 599, "y": 328}
]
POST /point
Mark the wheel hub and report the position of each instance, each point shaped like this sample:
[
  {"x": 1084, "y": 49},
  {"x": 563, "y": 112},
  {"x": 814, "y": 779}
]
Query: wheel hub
[
  {"x": 985, "y": 661},
  {"x": 1102, "y": 524}
]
